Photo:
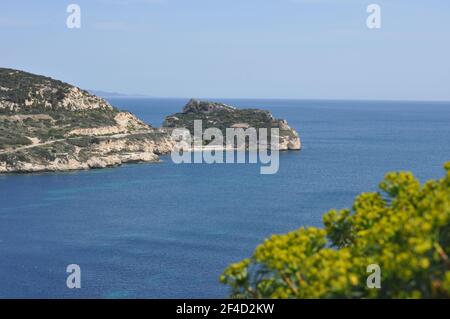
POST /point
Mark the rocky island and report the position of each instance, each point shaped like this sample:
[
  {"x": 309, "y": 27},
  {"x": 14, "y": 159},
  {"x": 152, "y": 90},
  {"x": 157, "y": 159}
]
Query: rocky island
[
  {"x": 49, "y": 125},
  {"x": 223, "y": 116}
]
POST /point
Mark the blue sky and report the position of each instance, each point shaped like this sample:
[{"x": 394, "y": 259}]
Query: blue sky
[{"x": 235, "y": 48}]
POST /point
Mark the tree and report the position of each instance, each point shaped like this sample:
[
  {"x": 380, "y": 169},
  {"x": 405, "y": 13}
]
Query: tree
[{"x": 404, "y": 229}]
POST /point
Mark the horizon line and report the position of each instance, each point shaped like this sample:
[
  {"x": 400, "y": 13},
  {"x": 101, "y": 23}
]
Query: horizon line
[{"x": 143, "y": 96}]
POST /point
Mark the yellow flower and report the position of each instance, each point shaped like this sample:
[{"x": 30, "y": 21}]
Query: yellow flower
[{"x": 354, "y": 279}]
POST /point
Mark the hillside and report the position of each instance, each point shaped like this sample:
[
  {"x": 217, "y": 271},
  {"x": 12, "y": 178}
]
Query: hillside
[{"x": 47, "y": 124}]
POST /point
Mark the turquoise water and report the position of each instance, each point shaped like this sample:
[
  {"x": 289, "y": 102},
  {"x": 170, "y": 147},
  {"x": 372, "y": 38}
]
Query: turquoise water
[{"x": 166, "y": 230}]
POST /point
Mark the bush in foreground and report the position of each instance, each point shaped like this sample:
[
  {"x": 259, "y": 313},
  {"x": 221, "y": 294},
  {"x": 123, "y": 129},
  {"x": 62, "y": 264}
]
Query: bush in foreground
[{"x": 405, "y": 229}]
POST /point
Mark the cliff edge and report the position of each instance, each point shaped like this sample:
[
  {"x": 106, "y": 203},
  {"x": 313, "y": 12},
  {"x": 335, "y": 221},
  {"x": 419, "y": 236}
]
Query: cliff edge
[{"x": 49, "y": 125}]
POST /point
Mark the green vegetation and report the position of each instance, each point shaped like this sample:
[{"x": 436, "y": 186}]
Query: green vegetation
[
  {"x": 12, "y": 139},
  {"x": 405, "y": 229},
  {"x": 50, "y": 125},
  {"x": 30, "y": 107},
  {"x": 21, "y": 86},
  {"x": 40, "y": 153},
  {"x": 223, "y": 119},
  {"x": 44, "y": 113},
  {"x": 84, "y": 118},
  {"x": 84, "y": 141},
  {"x": 12, "y": 158}
]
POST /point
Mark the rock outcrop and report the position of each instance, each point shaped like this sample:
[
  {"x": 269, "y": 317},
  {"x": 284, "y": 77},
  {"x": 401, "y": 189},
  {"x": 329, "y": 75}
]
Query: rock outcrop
[
  {"x": 49, "y": 125},
  {"x": 196, "y": 106},
  {"x": 223, "y": 116},
  {"x": 79, "y": 154},
  {"x": 25, "y": 92}
]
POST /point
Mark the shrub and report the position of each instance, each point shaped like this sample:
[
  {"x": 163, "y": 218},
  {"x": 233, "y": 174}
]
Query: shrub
[
  {"x": 405, "y": 229},
  {"x": 12, "y": 140}
]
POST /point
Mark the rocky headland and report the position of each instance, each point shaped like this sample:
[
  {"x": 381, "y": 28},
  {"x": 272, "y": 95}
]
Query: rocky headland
[
  {"x": 223, "y": 116},
  {"x": 49, "y": 125}
]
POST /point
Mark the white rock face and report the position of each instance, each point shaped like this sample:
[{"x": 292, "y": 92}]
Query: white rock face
[
  {"x": 126, "y": 123},
  {"x": 80, "y": 100},
  {"x": 108, "y": 153},
  {"x": 288, "y": 143}
]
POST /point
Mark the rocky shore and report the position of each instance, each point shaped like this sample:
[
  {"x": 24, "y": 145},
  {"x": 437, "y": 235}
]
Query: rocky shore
[
  {"x": 49, "y": 125},
  {"x": 223, "y": 116}
]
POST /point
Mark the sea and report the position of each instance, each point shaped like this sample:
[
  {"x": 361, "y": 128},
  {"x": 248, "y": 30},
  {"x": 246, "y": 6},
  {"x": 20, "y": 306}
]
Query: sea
[{"x": 166, "y": 230}]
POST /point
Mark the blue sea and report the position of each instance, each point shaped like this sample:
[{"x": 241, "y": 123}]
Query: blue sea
[{"x": 168, "y": 231}]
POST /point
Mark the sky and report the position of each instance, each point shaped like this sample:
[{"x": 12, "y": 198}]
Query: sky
[{"x": 295, "y": 49}]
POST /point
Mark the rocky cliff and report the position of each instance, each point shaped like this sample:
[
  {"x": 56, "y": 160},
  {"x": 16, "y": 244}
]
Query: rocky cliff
[
  {"x": 223, "y": 116},
  {"x": 49, "y": 125}
]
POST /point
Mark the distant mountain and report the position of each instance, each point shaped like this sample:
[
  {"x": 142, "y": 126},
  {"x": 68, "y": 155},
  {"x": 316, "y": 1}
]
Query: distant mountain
[{"x": 107, "y": 95}]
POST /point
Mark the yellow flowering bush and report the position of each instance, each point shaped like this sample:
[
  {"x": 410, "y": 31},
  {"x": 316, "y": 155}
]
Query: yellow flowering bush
[{"x": 404, "y": 228}]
